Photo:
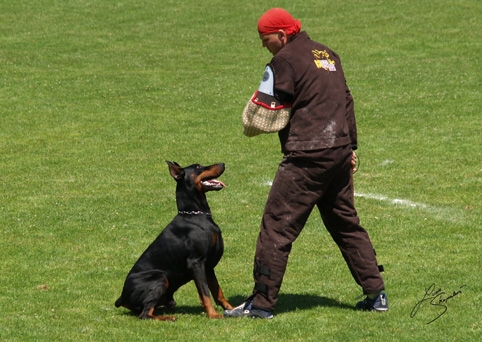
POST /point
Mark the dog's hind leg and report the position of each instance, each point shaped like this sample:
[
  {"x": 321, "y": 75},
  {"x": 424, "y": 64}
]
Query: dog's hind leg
[
  {"x": 148, "y": 313},
  {"x": 151, "y": 287}
]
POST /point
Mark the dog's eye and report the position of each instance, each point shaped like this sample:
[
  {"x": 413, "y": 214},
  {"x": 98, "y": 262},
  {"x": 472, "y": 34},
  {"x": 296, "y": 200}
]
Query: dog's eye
[{"x": 198, "y": 166}]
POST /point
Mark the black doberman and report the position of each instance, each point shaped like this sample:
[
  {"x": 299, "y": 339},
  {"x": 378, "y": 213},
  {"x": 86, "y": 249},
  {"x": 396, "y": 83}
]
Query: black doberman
[{"x": 187, "y": 249}]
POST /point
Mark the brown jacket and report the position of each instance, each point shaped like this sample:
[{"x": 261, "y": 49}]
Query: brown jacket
[{"x": 309, "y": 75}]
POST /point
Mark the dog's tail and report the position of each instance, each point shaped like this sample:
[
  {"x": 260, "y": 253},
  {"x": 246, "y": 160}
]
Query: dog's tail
[{"x": 118, "y": 302}]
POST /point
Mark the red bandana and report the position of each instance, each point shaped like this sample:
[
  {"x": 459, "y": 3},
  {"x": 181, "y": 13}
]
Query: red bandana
[{"x": 277, "y": 19}]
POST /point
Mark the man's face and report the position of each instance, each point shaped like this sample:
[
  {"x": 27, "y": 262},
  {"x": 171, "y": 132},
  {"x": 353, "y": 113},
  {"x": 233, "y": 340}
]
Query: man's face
[{"x": 274, "y": 41}]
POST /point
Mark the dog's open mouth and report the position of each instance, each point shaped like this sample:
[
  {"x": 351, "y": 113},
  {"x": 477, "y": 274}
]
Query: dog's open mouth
[{"x": 212, "y": 184}]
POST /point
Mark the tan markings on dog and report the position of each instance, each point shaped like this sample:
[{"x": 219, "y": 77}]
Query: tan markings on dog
[
  {"x": 218, "y": 293},
  {"x": 208, "y": 306},
  {"x": 160, "y": 318},
  {"x": 197, "y": 182}
]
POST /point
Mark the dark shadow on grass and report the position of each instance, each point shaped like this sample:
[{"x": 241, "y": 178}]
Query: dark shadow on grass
[
  {"x": 294, "y": 301},
  {"x": 286, "y": 303},
  {"x": 181, "y": 309}
]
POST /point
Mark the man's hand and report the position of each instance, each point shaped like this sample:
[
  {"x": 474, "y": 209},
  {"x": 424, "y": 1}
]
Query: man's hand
[{"x": 354, "y": 160}]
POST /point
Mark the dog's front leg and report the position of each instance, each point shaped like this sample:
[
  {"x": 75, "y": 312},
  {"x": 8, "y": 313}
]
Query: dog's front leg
[
  {"x": 199, "y": 275},
  {"x": 216, "y": 290}
]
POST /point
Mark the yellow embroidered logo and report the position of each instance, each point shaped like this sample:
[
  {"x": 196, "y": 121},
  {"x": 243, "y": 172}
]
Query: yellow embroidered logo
[{"x": 323, "y": 60}]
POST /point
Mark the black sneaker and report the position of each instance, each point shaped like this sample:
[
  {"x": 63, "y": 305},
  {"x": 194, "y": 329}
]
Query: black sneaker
[
  {"x": 379, "y": 303},
  {"x": 246, "y": 310}
]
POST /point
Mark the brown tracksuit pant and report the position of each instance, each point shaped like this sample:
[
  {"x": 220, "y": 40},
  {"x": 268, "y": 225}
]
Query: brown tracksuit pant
[{"x": 305, "y": 179}]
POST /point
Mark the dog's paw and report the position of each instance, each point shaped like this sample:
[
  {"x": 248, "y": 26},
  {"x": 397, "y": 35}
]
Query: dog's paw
[
  {"x": 215, "y": 315},
  {"x": 171, "y": 304},
  {"x": 228, "y": 306},
  {"x": 165, "y": 318}
]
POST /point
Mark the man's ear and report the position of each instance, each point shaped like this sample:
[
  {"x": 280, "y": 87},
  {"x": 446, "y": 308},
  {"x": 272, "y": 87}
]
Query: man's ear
[{"x": 282, "y": 36}]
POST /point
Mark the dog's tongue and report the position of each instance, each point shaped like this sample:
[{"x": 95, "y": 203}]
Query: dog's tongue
[
  {"x": 215, "y": 183},
  {"x": 218, "y": 182}
]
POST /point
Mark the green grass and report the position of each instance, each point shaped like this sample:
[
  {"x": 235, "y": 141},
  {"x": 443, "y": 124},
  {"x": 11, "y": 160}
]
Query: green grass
[{"x": 95, "y": 96}]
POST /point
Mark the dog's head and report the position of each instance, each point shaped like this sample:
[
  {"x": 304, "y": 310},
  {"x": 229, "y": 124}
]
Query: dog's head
[{"x": 203, "y": 178}]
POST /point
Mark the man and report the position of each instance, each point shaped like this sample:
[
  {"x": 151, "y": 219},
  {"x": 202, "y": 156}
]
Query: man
[{"x": 316, "y": 169}]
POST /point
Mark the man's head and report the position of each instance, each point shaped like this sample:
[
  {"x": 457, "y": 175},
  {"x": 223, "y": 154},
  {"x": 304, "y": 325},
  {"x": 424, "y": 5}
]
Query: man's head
[{"x": 275, "y": 27}]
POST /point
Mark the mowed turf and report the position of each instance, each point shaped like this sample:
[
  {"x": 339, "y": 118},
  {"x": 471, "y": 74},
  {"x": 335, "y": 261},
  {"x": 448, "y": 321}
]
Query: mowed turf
[{"x": 95, "y": 96}]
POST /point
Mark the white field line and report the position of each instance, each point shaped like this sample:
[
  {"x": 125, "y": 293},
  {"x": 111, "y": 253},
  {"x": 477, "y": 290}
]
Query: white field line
[
  {"x": 443, "y": 214},
  {"x": 382, "y": 198},
  {"x": 395, "y": 201}
]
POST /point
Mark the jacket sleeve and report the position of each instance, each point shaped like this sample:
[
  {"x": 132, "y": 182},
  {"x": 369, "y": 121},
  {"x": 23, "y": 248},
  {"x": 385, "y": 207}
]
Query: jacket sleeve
[
  {"x": 350, "y": 118},
  {"x": 284, "y": 83}
]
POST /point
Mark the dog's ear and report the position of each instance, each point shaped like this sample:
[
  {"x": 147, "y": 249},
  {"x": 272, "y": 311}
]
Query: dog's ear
[{"x": 175, "y": 169}]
